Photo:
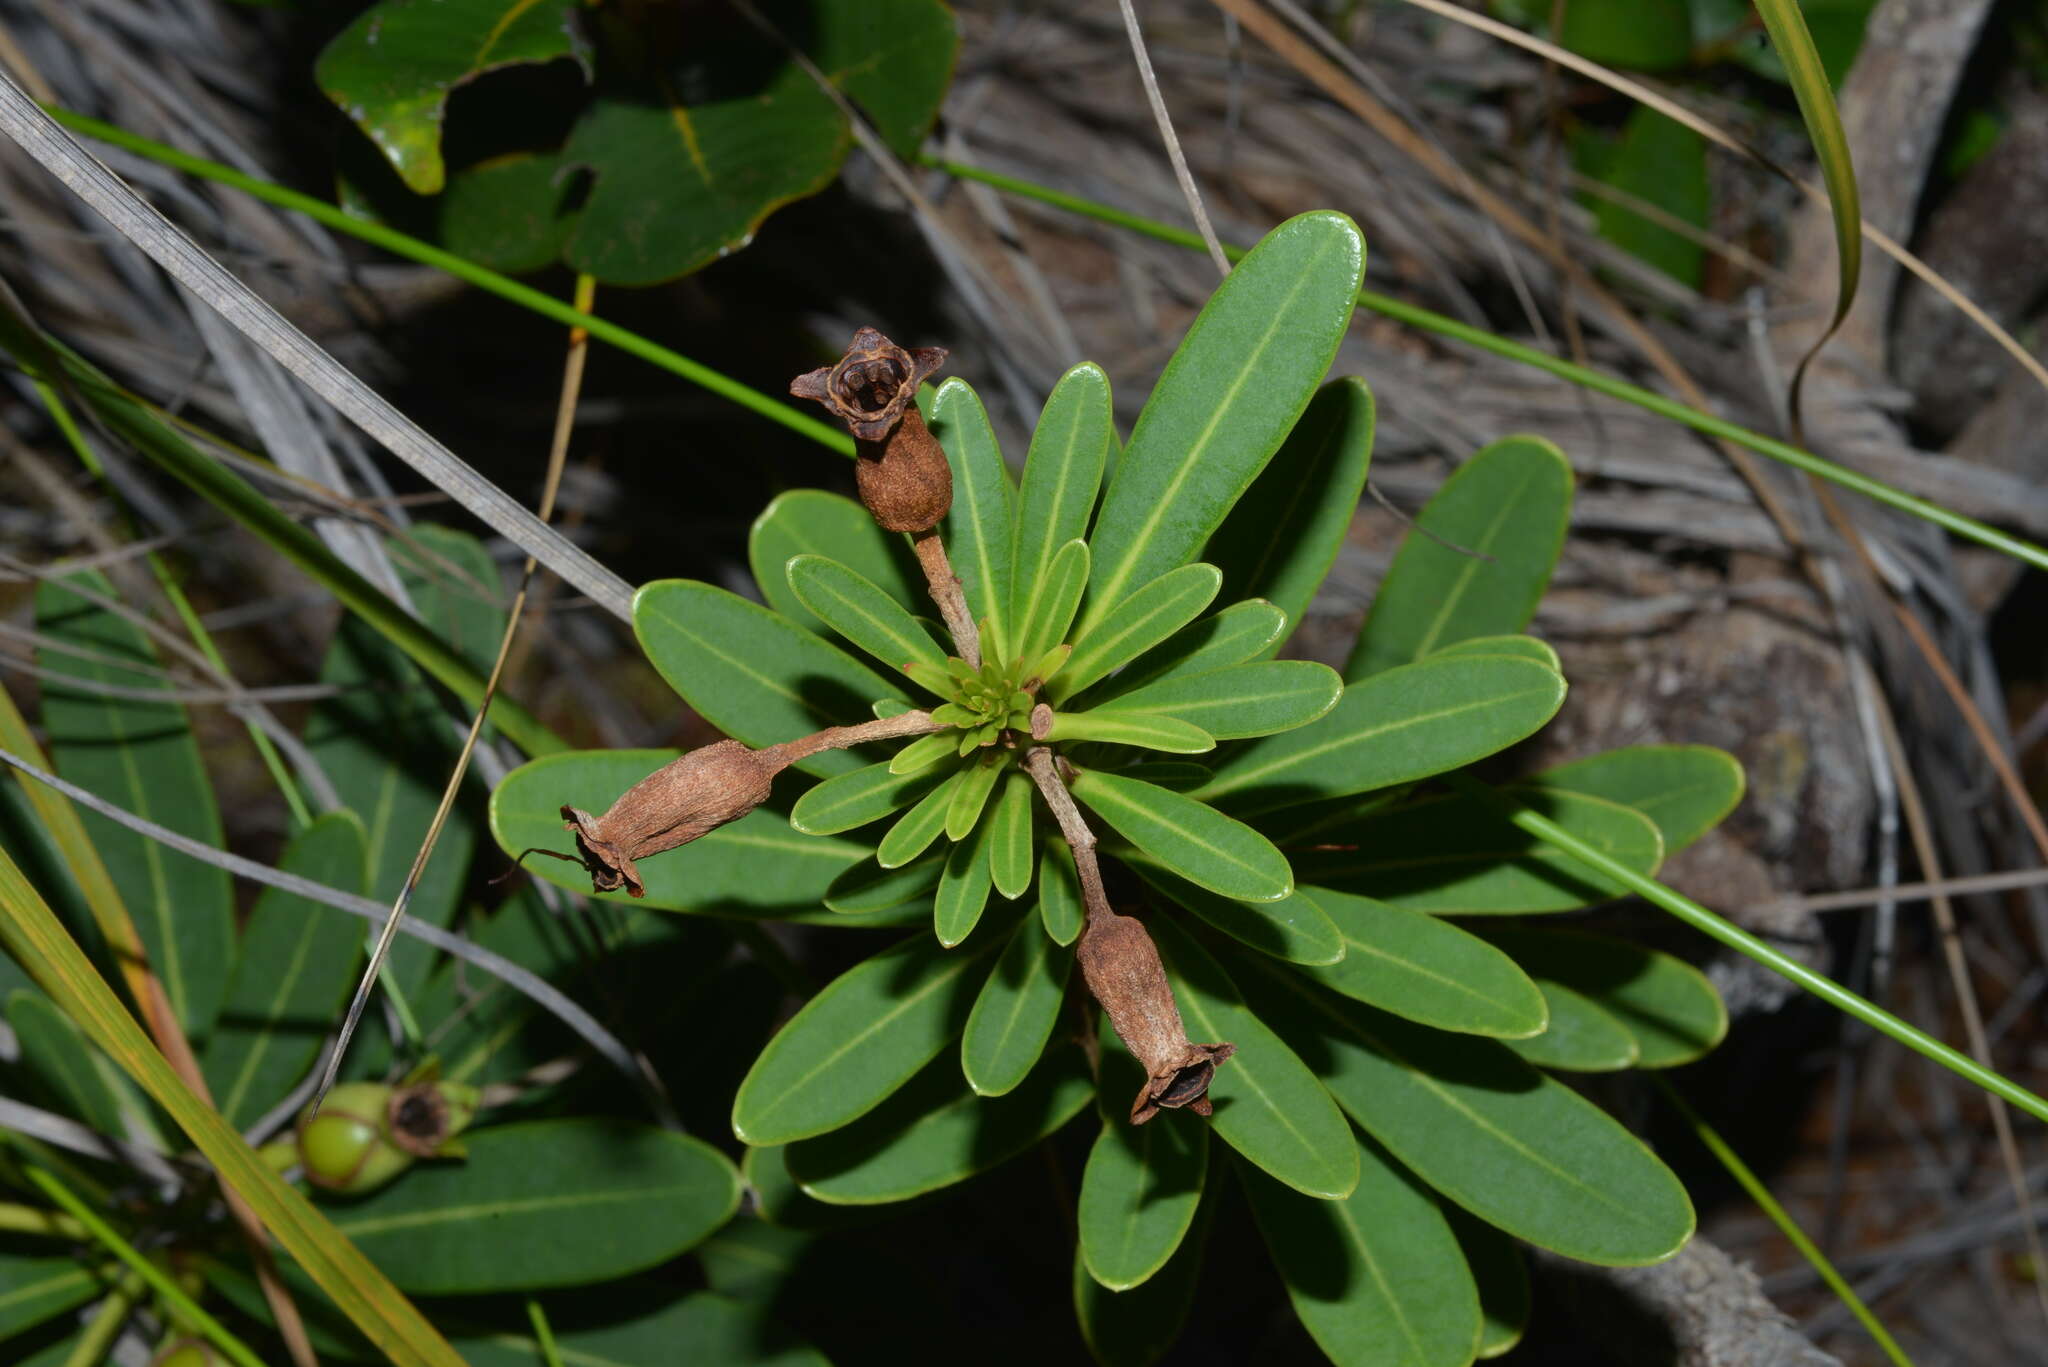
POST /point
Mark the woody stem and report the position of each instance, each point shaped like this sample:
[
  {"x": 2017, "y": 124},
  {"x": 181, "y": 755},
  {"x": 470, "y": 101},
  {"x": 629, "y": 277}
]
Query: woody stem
[
  {"x": 843, "y": 737},
  {"x": 1038, "y": 762},
  {"x": 946, "y": 592}
]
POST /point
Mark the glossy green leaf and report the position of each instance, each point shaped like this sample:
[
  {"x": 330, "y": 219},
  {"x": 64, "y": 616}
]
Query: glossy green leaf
[
  {"x": 936, "y": 1132},
  {"x": 1407, "y": 723},
  {"x": 292, "y": 976},
  {"x": 1062, "y": 474},
  {"x": 1510, "y": 502},
  {"x": 1145, "y": 617},
  {"x": 1043, "y": 620},
  {"x": 141, "y": 756},
  {"x": 1293, "y": 928},
  {"x": 1502, "y": 1275},
  {"x": 393, "y": 69},
  {"x": 1183, "y": 776},
  {"x": 917, "y": 828},
  {"x": 1454, "y": 855},
  {"x": 853, "y": 800},
  {"x": 1146, "y": 730},
  {"x": 778, "y": 1199},
  {"x": 814, "y": 522},
  {"x": 1581, "y": 1038},
  {"x": 1282, "y": 537},
  {"x": 1243, "y": 700},
  {"x": 1010, "y": 845},
  {"x": 862, "y": 613},
  {"x": 83, "y": 1082},
  {"x": 1059, "y": 893},
  {"x": 978, "y": 529},
  {"x": 1522, "y": 647},
  {"x": 753, "y": 675},
  {"x": 1663, "y": 164},
  {"x": 1142, "y": 1184},
  {"x": 971, "y": 794},
  {"x": 1685, "y": 789},
  {"x": 456, "y": 586},
  {"x": 863, "y": 1036},
  {"x": 1509, "y": 1144},
  {"x": 510, "y": 213},
  {"x": 566, "y": 1202},
  {"x": 1650, "y": 35},
  {"x": 1015, "y": 1013},
  {"x": 1377, "y": 1278},
  {"x": 1135, "y": 1328},
  {"x": 1670, "y": 1008},
  {"x": 924, "y": 752},
  {"x": 867, "y": 886},
  {"x": 1242, "y": 375},
  {"x": 963, "y": 888},
  {"x": 1198, "y": 842},
  {"x": 33, "y": 1289},
  {"x": 1239, "y": 633},
  {"x": 754, "y": 867},
  {"x": 1426, "y": 969},
  {"x": 700, "y": 1327},
  {"x": 1269, "y": 1105}
]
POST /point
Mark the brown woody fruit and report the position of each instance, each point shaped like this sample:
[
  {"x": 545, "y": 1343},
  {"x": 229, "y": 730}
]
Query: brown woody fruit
[
  {"x": 1121, "y": 966},
  {"x": 672, "y": 806},
  {"x": 902, "y": 474}
]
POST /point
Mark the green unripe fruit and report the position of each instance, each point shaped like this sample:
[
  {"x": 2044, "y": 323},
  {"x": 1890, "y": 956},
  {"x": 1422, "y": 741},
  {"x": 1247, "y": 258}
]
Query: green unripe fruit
[
  {"x": 369, "y": 1132},
  {"x": 187, "y": 1353}
]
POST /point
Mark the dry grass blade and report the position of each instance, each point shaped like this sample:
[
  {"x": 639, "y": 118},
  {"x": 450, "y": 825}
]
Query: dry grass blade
[{"x": 1189, "y": 190}]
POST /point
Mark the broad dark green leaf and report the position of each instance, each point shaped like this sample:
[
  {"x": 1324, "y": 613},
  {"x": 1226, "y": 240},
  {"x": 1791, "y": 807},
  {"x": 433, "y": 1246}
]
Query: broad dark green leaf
[
  {"x": 392, "y": 70},
  {"x": 1670, "y": 1008},
  {"x": 456, "y": 586},
  {"x": 814, "y": 522},
  {"x": 1231, "y": 637},
  {"x": 936, "y": 1132},
  {"x": 1062, "y": 474},
  {"x": 756, "y": 866},
  {"x": 917, "y": 828},
  {"x": 862, "y": 613},
  {"x": 1377, "y": 1278},
  {"x": 1043, "y": 621},
  {"x": 1502, "y": 1275},
  {"x": 853, "y": 800},
  {"x": 858, "y": 1040},
  {"x": 1135, "y": 1328},
  {"x": 1269, "y": 1105},
  {"x": 700, "y": 1327},
  {"x": 779, "y": 1200},
  {"x": 1059, "y": 893},
  {"x": 1426, "y": 969},
  {"x": 1198, "y": 842},
  {"x": 1407, "y": 723},
  {"x": 1243, "y": 700},
  {"x": 963, "y": 888},
  {"x": 1520, "y": 646},
  {"x": 32, "y": 1289},
  {"x": 511, "y": 213},
  {"x": 565, "y": 1203},
  {"x": 141, "y": 756},
  {"x": 1145, "y": 730},
  {"x": 1581, "y": 1038},
  {"x": 1653, "y": 35},
  {"x": 1514, "y": 1147},
  {"x": 1245, "y": 371},
  {"x": 979, "y": 527},
  {"x": 1685, "y": 789},
  {"x": 293, "y": 972},
  {"x": 751, "y": 1259},
  {"x": 1454, "y": 855},
  {"x": 1663, "y": 164},
  {"x": 1510, "y": 502},
  {"x": 867, "y": 886},
  {"x": 83, "y": 1082},
  {"x": 1145, "y": 617},
  {"x": 1142, "y": 1184},
  {"x": 752, "y": 674},
  {"x": 1293, "y": 928},
  {"x": 1015, "y": 1013},
  {"x": 1010, "y": 845},
  {"x": 1183, "y": 776},
  {"x": 1282, "y": 537}
]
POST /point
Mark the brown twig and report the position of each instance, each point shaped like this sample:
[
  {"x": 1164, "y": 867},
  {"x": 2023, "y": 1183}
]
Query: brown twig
[{"x": 947, "y": 593}]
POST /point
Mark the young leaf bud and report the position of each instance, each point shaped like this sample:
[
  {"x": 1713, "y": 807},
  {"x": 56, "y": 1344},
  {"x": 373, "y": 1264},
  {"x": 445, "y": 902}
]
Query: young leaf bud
[
  {"x": 1121, "y": 966},
  {"x": 902, "y": 474},
  {"x": 672, "y": 806}
]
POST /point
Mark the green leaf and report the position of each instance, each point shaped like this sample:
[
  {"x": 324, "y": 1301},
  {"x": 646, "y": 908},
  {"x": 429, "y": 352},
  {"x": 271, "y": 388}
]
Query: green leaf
[
  {"x": 1509, "y": 1144},
  {"x": 863, "y": 1036},
  {"x": 1059, "y": 893},
  {"x": 1670, "y": 1008},
  {"x": 1426, "y": 970},
  {"x": 970, "y": 796},
  {"x": 1282, "y": 537},
  {"x": 924, "y": 752},
  {"x": 700, "y": 1327},
  {"x": 862, "y": 613},
  {"x": 1502, "y": 1275},
  {"x": 1245, "y": 371},
  {"x": 141, "y": 756},
  {"x": 1142, "y": 1184},
  {"x": 511, "y": 213},
  {"x": 867, "y": 886},
  {"x": 1377, "y": 1277},
  {"x": 1135, "y": 1328},
  {"x": 978, "y": 528},
  {"x": 1293, "y": 928},
  {"x": 1407, "y": 723},
  {"x": 566, "y": 1203},
  {"x": 1581, "y": 1038},
  {"x": 917, "y": 828},
  {"x": 935, "y": 1132},
  {"x": 1685, "y": 789},
  {"x": 753, "y": 675},
  {"x": 293, "y": 972},
  {"x": 1269, "y": 1106},
  {"x": 853, "y": 800},
  {"x": 1199, "y": 843},
  {"x": 1183, "y": 776},
  {"x": 1062, "y": 474},
  {"x": 1142, "y": 620},
  {"x": 754, "y": 867},
  {"x": 963, "y": 888},
  {"x": 1147, "y": 730},
  {"x": 1510, "y": 502},
  {"x": 1522, "y": 647},
  {"x": 1663, "y": 164},
  {"x": 84, "y": 1083},
  {"x": 1044, "y": 619},
  {"x": 33, "y": 1289},
  {"x": 1455, "y": 855},
  {"x": 1015, "y": 1013},
  {"x": 456, "y": 587},
  {"x": 1010, "y": 847},
  {"x": 813, "y": 522},
  {"x": 392, "y": 70},
  {"x": 1243, "y": 700},
  {"x": 1651, "y": 35},
  {"x": 1239, "y": 633}
]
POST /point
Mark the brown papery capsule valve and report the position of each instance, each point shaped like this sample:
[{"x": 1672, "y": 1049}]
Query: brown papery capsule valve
[
  {"x": 902, "y": 474},
  {"x": 1122, "y": 969},
  {"x": 672, "y": 806}
]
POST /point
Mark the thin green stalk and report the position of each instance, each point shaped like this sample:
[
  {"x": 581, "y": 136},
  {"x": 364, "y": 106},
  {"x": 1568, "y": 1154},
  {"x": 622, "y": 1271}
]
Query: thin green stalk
[
  {"x": 1780, "y": 1217},
  {"x": 155, "y": 1277},
  {"x": 1426, "y": 321},
  {"x": 18, "y": 1219},
  {"x": 401, "y": 244},
  {"x": 1705, "y": 921},
  {"x": 96, "y": 1340},
  {"x": 549, "y": 1353}
]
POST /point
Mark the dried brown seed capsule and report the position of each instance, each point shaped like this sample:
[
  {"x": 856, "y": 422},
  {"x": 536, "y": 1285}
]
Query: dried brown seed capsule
[
  {"x": 902, "y": 474},
  {"x": 672, "y": 806},
  {"x": 1122, "y": 969}
]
